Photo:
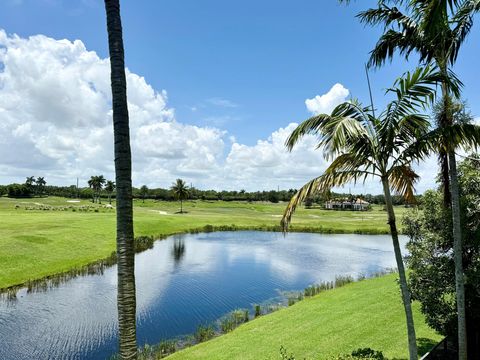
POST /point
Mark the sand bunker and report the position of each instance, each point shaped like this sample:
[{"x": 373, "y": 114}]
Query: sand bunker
[{"x": 160, "y": 212}]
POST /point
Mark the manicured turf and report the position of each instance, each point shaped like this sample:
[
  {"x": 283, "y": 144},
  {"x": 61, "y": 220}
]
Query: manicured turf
[
  {"x": 38, "y": 243},
  {"x": 364, "y": 314}
]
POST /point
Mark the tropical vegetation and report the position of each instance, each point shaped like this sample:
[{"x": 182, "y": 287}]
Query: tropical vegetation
[
  {"x": 363, "y": 145},
  {"x": 431, "y": 263},
  {"x": 435, "y": 30}
]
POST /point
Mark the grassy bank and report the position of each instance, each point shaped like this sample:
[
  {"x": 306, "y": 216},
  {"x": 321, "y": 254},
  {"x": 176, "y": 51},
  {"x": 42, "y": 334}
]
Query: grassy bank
[
  {"x": 46, "y": 236},
  {"x": 364, "y": 314}
]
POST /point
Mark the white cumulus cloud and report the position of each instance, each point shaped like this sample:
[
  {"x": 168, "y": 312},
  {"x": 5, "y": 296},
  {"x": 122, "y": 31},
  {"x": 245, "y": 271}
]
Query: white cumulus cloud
[
  {"x": 324, "y": 104},
  {"x": 56, "y": 121}
]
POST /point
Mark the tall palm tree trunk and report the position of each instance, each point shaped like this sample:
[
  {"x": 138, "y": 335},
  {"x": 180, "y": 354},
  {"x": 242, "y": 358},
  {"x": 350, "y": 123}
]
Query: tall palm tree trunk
[
  {"x": 457, "y": 230},
  {"x": 457, "y": 254},
  {"x": 407, "y": 304},
  {"x": 181, "y": 206},
  {"x": 126, "y": 301}
]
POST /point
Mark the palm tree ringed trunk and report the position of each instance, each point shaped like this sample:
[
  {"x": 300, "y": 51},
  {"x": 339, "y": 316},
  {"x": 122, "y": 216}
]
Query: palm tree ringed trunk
[
  {"x": 412, "y": 339},
  {"x": 126, "y": 300},
  {"x": 457, "y": 233},
  {"x": 458, "y": 258},
  {"x": 181, "y": 206}
]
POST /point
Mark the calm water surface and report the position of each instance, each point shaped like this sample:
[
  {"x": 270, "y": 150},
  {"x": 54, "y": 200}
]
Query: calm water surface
[{"x": 182, "y": 282}]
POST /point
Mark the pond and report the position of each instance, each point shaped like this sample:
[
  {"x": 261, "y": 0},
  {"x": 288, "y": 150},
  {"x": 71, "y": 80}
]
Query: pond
[{"x": 184, "y": 281}]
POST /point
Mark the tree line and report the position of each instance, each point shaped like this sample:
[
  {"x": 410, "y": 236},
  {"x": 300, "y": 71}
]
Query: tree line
[{"x": 100, "y": 188}]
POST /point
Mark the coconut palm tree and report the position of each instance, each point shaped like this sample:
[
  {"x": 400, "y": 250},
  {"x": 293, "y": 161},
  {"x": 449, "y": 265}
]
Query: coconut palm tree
[
  {"x": 110, "y": 188},
  {"x": 126, "y": 297},
  {"x": 435, "y": 30},
  {"x": 180, "y": 190},
  {"x": 363, "y": 145}
]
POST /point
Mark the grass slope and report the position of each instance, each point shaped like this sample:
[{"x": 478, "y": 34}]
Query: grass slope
[
  {"x": 38, "y": 243},
  {"x": 364, "y": 314}
]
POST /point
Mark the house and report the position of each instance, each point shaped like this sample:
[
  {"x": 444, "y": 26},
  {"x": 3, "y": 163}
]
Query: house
[{"x": 346, "y": 204}]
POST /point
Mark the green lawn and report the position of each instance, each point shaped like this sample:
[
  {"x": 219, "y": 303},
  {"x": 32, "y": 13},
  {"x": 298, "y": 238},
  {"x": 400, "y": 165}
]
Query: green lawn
[
  {"x": 38, "y": 243},
  {"x": 364, "y": 314}
]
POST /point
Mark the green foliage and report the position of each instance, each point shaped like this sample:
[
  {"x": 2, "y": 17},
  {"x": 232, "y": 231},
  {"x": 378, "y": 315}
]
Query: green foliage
[
  {"x": 432, "y": 276},
  {"x": 158, "y": 351},
  {"x": 233, "y": 320},
  {"x": 367, "y": 353},
  {"x": 19, "y": 191},
  {"x": 204, "y": 333},
  {"x": 258, "y": 310}
]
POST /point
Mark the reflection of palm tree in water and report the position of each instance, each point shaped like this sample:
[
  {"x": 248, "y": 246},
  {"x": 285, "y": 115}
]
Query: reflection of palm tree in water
[{"x": 178, "y": 250}]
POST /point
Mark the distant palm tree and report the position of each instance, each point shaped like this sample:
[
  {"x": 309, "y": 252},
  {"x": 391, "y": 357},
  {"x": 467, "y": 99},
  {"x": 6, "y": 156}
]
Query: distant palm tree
[
  {"x": 91, "y": 185},
  {"x": 180, "y": 190},
  {"x": 144, "y": 192},
  {"x": 435, "y": 30},
  {"x": 126, "y": 297},
  {"x": 30, "y": 181},
  {"x": 363, "y": 145},
  {"x": 110, "y": 188},
  {"x": 96, "y": 184},
  {"x": 40, "y": 184}
]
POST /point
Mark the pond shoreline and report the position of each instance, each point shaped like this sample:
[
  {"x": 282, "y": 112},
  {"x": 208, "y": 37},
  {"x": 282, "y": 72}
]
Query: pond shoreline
[{"x": 143, "y": 243}]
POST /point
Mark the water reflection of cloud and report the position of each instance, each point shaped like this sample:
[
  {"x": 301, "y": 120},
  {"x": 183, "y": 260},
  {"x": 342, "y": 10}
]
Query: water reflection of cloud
[{"x": 81, "y": 314}]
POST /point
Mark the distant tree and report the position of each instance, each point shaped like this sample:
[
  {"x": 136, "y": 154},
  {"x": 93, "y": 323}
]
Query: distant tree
[
  {"x": 19, "y": 190},
  {"x": 40, "y": 185},
  {"x": 273, "y": 196},
  {"x": 110, "y": 188},
  {"x": 30, "y": 182},
  {"x": 143, "y": 192},
  {"x": 308, "y": 202},
  {"x": 180, "y": 190},
  {"x": 96, "y": 184}
]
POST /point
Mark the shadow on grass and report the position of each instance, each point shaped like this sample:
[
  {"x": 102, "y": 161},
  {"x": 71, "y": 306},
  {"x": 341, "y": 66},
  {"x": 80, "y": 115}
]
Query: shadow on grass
[{"x": 425, "y": 345}]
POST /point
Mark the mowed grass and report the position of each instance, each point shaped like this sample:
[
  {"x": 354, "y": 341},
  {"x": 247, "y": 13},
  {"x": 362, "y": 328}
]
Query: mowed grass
[
  {"x": 364, "y": 314},
  {"x": 39, "y": 243}
]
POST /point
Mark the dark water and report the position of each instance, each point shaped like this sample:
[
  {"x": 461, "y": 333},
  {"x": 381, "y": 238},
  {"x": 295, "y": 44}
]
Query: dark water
[{"x": 182, "y": 282}]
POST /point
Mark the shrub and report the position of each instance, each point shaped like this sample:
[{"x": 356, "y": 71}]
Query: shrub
[
  {"x": 19, "y": 191},
  {"x": 204, "y": 333}
]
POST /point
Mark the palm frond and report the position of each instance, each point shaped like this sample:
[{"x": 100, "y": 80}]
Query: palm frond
[
  {"x": 320, "y": 184},
  {"x": 402, "y": 179},
  {"x": 345, "y": 124}
]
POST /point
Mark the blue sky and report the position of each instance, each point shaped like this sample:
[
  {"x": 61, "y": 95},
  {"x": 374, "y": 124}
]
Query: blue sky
[{"x": 245, "y": 67}]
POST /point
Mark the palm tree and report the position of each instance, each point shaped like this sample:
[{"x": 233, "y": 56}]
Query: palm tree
[
  {"x": 180, "y": 191},
  {"x": 110, "y": 188},
  {"x": 30, "y": 181},
  {"x": 96, "y": 184},
  {"x": 363, "y": 145},
  {"x": 435, "y": 30},
  {"x": 92, "y": 185},
  {"x": 40, "y": 184},
  {"x": 100, "y": 181},
  {"x": 144, "y": 192},
  {"x": 126, "y": 297}
]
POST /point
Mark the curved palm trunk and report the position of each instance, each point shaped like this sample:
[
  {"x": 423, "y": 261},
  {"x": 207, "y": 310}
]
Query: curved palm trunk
[
  {"x": 457, "y": 254},
  {"x": 407, "y": 304},
  {"x": 126, "y": 301}
]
